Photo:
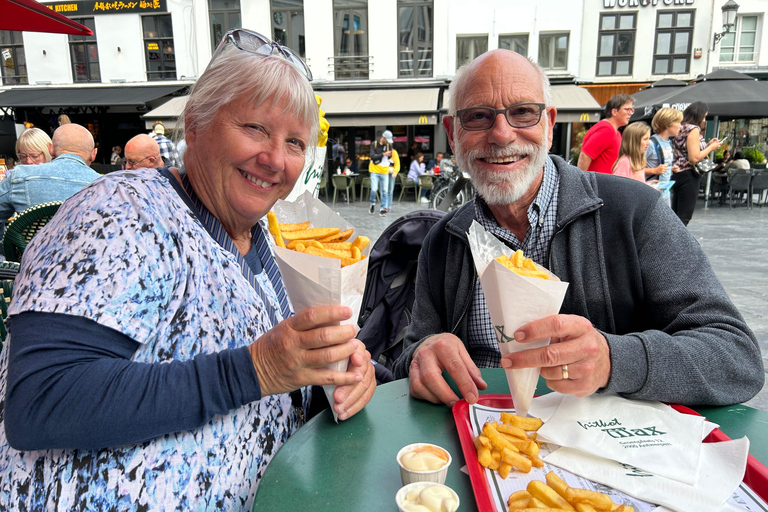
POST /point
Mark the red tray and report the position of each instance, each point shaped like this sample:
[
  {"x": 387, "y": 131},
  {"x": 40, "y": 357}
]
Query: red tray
[{"x": 756, "y": 476}]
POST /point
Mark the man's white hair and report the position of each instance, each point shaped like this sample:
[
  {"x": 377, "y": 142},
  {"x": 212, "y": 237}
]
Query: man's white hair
[{"x": 460, "y": 77}]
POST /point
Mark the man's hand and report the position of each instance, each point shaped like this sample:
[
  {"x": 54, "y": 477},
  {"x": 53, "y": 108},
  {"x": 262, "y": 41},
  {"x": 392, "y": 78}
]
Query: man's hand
[
  {"x": 575, "y": 342},
  {"x": 444, "y": 352},
  {"x": 350, "y": 399}
]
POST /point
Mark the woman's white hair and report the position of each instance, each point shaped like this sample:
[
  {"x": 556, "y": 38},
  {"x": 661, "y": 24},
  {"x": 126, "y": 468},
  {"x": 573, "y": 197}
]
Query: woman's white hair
[
  {"x": 34, "y": 139},
  {"x": 237, "y": 75},
  {"x": 459, "y": 79}
]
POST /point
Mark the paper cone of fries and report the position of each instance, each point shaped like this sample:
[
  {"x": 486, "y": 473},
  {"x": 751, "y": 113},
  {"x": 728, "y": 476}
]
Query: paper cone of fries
[
  {"x": 317, "y": 281},
  {"x": 513, "y": 301}
]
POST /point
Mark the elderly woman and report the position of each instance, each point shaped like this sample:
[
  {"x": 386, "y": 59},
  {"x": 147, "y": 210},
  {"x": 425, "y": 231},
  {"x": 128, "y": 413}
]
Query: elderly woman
[
  {"x": 155, "y": 362},
  {"x": 32, "y": 147}
]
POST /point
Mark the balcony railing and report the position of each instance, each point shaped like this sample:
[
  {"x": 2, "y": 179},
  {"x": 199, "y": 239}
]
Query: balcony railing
[{"x": 355, "y": 67}]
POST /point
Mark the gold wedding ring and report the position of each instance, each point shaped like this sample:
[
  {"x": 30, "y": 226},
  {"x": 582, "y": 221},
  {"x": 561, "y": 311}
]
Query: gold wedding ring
[{"x": 565, "y": 371}]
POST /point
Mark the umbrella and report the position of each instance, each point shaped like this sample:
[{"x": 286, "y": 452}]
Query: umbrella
[
  {"x": 728, "y": 94},
  {"x": 31, "y": 16},
  {"x": 646, "y": 98}
]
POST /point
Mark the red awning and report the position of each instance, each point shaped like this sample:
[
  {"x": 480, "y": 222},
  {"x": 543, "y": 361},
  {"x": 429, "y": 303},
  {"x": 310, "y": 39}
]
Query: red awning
[{"x": 31, "y": 16}]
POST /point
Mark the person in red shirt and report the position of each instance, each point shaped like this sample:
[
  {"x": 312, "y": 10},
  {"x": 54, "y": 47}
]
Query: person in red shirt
[{"x": 600, "y": 148}]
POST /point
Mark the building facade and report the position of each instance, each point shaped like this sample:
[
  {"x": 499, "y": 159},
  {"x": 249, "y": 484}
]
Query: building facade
[{"x": 378, "y": 65}]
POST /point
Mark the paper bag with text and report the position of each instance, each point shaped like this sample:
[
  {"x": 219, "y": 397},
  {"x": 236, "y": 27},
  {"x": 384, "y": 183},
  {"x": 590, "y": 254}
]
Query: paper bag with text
[
  {"x": 317, "y": 281},
  {"x": 513, "y": 301}
]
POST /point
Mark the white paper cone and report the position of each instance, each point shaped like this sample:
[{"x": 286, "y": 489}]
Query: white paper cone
[
  {"x": 316, "y": 281},
  {"x": 513, "y": 301}
]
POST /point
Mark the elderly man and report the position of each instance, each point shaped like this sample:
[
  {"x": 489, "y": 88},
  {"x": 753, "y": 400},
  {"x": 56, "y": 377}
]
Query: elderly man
[
  {"x": 29, "y": 185},
  {"x": 143, "y": 151},
  {"x": 626, "y": 326}
]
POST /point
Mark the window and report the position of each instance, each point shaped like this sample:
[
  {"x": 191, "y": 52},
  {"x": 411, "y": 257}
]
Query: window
[
  {"x": 288, "y": 25},
  {"x": 672, "y": 49},
  {"x": 469, "y": 47},
  {"x": 14, "y": 60},
  {"x": 85, "y": 55},
  {"x": 739, "y": 45},
  {"x": 158, "y": 47},
  {"x": 414, "y": 23},
  {"x": 616, "y": 44},
  {"x": 517, "y": 43},
  {"x": 350, "y": 39},
  {"x": 225, "y": 15},
  {"x": 553, "y": 51}
]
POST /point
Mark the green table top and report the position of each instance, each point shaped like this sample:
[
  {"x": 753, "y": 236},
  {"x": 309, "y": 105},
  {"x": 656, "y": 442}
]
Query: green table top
[{"x": 352, "y": 466}]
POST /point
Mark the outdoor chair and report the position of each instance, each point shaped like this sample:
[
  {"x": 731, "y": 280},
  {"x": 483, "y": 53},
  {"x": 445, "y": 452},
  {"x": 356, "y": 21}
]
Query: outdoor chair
[
  {"x": 365, "y": 184},
  {"x": 406, "y": 184},
  {"x": 24, "y": 226},
  {"x": 760, "y": 185},
  {"x": 323, "y": 185},
  {"x": 739, "y": 182},
  {"x": 343, "y": 182},
  {"x": 8, "y": 272},
  {"x": 426, "y": 182}
]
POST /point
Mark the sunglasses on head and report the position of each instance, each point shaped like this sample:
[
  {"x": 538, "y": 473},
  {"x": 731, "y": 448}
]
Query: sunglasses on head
[{"x": 252, "y": 42}]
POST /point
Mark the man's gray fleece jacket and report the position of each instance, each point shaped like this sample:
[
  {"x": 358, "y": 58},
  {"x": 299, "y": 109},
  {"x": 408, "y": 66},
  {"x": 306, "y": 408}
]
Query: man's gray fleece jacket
[{"x": 634, "y": 271}]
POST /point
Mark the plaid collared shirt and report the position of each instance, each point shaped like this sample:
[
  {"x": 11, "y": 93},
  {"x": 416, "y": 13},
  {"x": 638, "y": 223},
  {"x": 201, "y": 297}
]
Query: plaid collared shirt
[
  {"x": 167, "y": 149},
  {"x": 482, "y": 344}
]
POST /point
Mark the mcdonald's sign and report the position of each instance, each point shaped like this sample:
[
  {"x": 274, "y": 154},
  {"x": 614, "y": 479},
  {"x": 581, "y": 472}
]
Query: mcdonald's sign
[
  {"x": 423, "y": 120},
  {"x": 584, "y": 117}
]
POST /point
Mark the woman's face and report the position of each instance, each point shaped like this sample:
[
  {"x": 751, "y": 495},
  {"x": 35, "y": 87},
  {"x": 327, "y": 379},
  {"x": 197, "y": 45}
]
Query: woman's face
[
  {"x": 645, "y": 141},
  {"x": 246, "y": 159},
  {"x": 30, "y": 156},
  {"x": 348, "y": 162}
]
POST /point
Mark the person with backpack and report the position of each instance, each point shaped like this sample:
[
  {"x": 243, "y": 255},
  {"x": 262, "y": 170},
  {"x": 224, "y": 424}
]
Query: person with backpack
[
  {"x": 660, "y": 156},
  {"x": 381, "y": 152}
]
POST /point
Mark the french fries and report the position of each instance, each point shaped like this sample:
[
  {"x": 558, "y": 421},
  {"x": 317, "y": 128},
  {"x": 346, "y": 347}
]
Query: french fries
[
  {"x": 325, "y": 242},
  {"x": 511, "y": 442},
  {"x": 521, "y": 265},
  {"x": 556, "y": 495}
]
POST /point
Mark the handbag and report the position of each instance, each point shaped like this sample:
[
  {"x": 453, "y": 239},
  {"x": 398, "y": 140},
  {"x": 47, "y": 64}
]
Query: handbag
[{"x": 704, "y": 166}]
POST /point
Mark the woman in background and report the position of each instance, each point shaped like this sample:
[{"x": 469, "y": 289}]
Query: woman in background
[
  {"x": 33, "y": 147},
  {"x": 690, "y": 148},
  {"x": 116, "y": 158},
  {"x": 634, "y": 143}
]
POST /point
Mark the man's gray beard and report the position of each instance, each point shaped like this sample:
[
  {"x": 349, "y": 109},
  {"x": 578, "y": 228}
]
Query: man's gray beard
[{"x": 503, "y": 187}]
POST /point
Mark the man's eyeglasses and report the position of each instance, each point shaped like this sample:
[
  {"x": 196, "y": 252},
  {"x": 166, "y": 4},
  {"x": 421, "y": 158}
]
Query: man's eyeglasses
[
  {"x": 22, "y": 157},
  {"x": 629, "y": 110},
  {"x": 137, "y": 162},
  {"x": 522, "y": 115},
  {"x": 257, "y": 44}
]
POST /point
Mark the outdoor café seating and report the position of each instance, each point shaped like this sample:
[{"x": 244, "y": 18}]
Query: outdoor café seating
[
  {"x": 406, "y": 184},
  {"x": 24, "y": 226},
  {"x": 738, "y": 182},
  {"x": 343, "y": 182},
  {"x": 426, "y": 182}
]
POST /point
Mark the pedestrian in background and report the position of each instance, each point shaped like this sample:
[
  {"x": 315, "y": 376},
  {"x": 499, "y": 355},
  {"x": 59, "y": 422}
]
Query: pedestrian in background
[
  {"x": 167, "y": 147},
  {"x": 660, "y": 157},
  {"x": 116, "y": 158},
  {"x": 600, "y": 148},
  {"x": 634, "y": 143},
  {"x": 381, "y": 151},
  {"x": 394, "y": 168},
  {"x": 64, "y": 119},
  {"x": 690, "y": 149}
]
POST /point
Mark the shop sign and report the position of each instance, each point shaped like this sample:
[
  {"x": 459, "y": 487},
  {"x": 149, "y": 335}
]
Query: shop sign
[
  {"x": 423, "y": 120},
  {"x": 90, "y": 7},
  {"x": 152, "y": 46},
  {"x": 609, "y": 4}
]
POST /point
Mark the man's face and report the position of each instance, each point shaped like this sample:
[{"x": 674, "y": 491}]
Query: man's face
[
  {"x": 504, "y": 162},
  {"x": 623, "y": 114}
]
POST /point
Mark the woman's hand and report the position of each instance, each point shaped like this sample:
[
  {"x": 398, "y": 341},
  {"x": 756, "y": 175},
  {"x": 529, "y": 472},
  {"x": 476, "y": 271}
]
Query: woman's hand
[
  {"x": 350, "y": 399},
  {"x": 293, "y": 353},
  {"x": 715, "y": 142}
]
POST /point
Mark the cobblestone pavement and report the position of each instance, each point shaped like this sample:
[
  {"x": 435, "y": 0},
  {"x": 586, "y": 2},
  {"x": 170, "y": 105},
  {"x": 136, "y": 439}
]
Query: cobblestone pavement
[{"x": 734, "y": 239}]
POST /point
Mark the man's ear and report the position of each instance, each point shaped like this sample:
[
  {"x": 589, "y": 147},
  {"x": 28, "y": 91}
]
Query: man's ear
[
  {"x": 448, "y": 125},
  {"x": 551, "y": 113},
  {"x": 50, "y": 150},
  {"x": 93, "y": 155}
]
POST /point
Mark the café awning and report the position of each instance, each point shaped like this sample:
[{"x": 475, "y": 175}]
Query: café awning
[
  {"x": 378, "y": 107},
  {"x": 574, "y": 104},
  {"x": 31, "y": 16},
  {"x": 167, "y": 112},
  {"x": 54, "y": 97}
]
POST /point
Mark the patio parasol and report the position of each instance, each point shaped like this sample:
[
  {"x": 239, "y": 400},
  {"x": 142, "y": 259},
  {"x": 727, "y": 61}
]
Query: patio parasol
[{"x": 31, "y": 16}]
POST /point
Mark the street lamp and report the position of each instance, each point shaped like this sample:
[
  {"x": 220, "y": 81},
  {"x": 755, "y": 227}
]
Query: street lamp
[{"x": 729, "y": 20}]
